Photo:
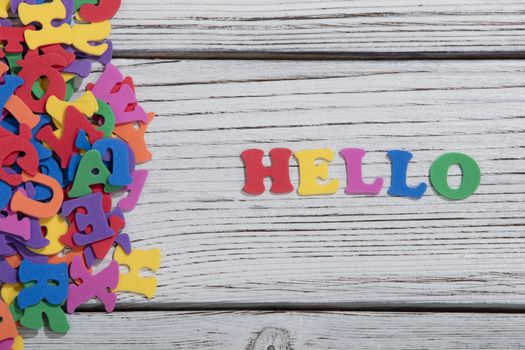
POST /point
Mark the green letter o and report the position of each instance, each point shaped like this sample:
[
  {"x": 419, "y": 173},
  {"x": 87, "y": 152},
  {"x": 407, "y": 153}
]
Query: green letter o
[{"x": 470, "y": 180}]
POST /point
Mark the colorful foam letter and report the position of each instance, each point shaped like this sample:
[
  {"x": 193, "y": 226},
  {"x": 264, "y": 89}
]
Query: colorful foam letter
[
  {"x": 91, "y": 286},
  {"x": 44, "y": 14},
  {"x": 310, "y": 173},
  {"x": 256, "y": 172},
  {"x": 398, "y": 183},
  {"x": 470, "y": 180},
  {"x": 31, "y": 207},
  {"x": 7, "y": 324},
  {"x": 33, "y": 317},
  {"x": 50, "y": 284},
  {"x": 354, "y": 170},
  {"x": 136, "y": 261},
  {"x": 93, "y": 217}
]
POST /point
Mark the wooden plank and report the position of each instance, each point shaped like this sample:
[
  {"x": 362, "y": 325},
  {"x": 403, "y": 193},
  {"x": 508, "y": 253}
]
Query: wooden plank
[
  {"x": 223, "y": 247},
  {"x": 393, "y": 29},
  {"x": 300, "y": 330}
]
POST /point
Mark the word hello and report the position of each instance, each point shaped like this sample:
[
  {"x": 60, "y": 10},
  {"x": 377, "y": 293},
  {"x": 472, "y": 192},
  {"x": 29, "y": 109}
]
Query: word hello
[{"x": 313, "y": 173}]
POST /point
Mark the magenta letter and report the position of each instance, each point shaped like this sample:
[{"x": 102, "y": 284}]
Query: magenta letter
[{"x": 354, "y": 174}]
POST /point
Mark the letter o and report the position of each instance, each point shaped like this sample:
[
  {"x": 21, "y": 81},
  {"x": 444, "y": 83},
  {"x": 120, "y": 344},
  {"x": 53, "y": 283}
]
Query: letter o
[{"x": 470, "y": 181}]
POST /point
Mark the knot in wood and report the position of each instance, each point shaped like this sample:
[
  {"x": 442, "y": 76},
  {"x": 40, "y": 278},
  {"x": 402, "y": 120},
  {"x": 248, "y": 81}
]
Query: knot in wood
[{"x": 272, "y": 339}]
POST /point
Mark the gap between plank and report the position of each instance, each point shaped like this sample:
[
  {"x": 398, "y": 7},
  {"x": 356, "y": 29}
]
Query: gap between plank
[
  {"x": 299, "y": 55},
  {"x": 319, "y": 307}
]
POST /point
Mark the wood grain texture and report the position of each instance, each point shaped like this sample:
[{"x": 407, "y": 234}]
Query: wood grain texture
[
  {"x": 221, "y": 247},
  {"x": 320, "y": 29},
  {"x": 305, "y": 331}
]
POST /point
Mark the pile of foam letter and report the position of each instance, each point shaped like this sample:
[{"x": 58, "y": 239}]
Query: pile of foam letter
[{"x": 66, "y": 155}]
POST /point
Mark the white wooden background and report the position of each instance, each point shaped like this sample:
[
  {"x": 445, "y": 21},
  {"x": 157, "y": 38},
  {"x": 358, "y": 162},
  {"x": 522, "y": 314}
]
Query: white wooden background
[{"x": 334, "y": 272}]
